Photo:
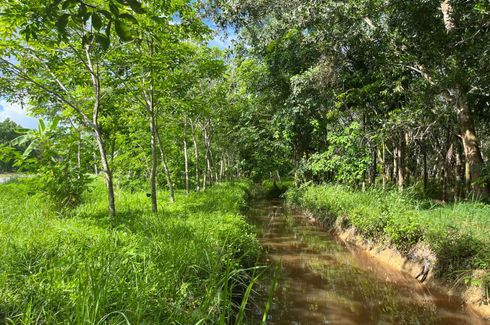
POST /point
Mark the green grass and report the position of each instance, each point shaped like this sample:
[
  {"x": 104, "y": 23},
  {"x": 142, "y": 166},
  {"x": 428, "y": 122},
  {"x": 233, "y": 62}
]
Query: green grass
[
  {"x": 457, "y": 233},
  {"x": 190, "y": 263}
]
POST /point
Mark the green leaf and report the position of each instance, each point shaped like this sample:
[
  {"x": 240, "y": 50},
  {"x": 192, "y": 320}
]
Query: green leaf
[
  {"x": 123, "y": 31},
  {"x": 41, "y": 125},
  {"x": 27, "y": 33},
  {"x": 129, "y": 17},
  {"x": 96, "y": 21},
  {"x": 54, "y": 123},
  {"x": 136, "y": 6},
  {"x": 114, "y": 9},
  {"x": 20, "y": 140},
  {"x": 69, "y": 4},
  {"x": 52, "y": 8},
  {"x": 32, "y": 146},
  {"x": 106, "y": 14},
  {"x": 62, "y": 22},
  {"x": 103, "y": 41}
]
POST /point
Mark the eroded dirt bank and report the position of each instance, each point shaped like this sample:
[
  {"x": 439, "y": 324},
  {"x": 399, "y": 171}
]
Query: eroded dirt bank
[
  {"x": 418, "y": 263},
  {"x": 324, "y": 279}
]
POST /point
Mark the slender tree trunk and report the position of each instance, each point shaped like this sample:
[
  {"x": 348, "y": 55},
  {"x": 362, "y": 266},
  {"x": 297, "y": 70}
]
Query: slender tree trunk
[
  {"x": 206, "y": 170},
  {"x": 165, "y": 168},
  {"x": 208, "y": 175},
  {"x": 222, "y": 167},
  {"x": 208, "y": 158},
  {"x": 79, "y": 155},
  {"x": 374, "y": 166},
  {"x": 107, "y": 171},
  {"x": 444, "y": 184},
  {"x": 186, "y": 160},
  {"x": 401, "y": 162},
  {"x": 196, "y": 156},
  {"x": 425, "y": 173},
  {"x": 447, "y": 172},
  {"x": 154, "y": 162},
  {"x": 153, "y": 110},
  {"x": 433, "y": 172},
  {"x": 383, "y": 164},
  {"x": 458, "y": 172},
  {"x": 394, "y": 174},
  {"x": 94, "y": 74}
]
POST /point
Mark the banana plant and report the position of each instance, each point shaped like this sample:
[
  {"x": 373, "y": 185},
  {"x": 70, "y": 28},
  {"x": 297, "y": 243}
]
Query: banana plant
[{"x": 37, "y": 138}]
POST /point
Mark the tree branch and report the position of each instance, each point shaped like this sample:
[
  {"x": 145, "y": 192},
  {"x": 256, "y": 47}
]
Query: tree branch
[{"x": 19, "y": 73}]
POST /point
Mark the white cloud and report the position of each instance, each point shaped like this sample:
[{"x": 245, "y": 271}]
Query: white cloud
[{"x": 16, "y": 114}]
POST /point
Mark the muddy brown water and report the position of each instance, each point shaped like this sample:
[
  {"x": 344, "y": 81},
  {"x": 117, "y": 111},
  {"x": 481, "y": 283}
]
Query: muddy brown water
[{"x": 322, "y": 280}]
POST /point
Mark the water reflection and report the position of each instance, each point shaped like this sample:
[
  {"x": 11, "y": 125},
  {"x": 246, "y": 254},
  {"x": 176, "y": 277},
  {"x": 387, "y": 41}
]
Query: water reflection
[{"x": 323, "y": 281}]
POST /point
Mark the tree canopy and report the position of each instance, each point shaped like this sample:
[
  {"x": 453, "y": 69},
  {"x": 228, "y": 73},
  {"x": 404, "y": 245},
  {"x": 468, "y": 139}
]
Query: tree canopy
[{"x": 364, "y": 93}]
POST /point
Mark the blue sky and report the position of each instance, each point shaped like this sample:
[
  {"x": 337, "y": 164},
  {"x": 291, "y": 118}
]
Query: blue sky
[
  {"x": 20, "y": 116},
  {"x": 17, "y": 114},
  {"x": 223, "y": 40}
]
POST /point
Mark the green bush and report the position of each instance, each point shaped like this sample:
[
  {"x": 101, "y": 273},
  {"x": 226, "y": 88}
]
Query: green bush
[{"x": 51, "y": 153}]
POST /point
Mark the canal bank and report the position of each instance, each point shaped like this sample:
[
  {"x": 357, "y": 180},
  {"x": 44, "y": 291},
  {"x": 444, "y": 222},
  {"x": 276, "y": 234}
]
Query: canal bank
[
  {"x": 445, "y": 245},
  {"x": 324, "y": 280},
  {"x": 418, "y": 263}
]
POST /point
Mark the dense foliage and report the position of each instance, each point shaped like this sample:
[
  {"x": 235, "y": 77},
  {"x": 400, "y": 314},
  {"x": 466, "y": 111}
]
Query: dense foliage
[
  {"x": 9, "y": 131},
  {"x": 370, "y": 91}
]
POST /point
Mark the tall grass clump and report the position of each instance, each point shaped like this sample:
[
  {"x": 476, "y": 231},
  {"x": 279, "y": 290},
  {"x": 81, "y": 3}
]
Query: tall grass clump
[
  {"x": 190, "y": 263},
  {"x": 457, "y": 233}
]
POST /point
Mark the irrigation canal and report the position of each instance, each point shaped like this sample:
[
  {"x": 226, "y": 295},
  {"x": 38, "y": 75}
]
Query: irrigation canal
[{"x": 322, "y": 280}]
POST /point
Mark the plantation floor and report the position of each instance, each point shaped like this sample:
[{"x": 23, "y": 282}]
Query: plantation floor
[{"x": 177, "y": 266}]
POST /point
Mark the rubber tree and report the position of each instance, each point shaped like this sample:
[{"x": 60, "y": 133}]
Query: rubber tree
[
  {"x": 459, "y": 95},
  {"x": 60, "y": 64},
  {"x": 161, "y": 49}
]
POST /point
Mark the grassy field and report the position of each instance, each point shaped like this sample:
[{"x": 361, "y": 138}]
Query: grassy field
[
  {"x": 185, "y": 265},
  {"x": 457, "y": 233}
]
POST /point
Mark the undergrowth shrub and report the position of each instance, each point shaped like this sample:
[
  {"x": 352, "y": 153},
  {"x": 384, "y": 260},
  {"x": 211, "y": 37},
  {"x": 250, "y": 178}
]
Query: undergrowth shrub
[{"x": 456, "y": 252}]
